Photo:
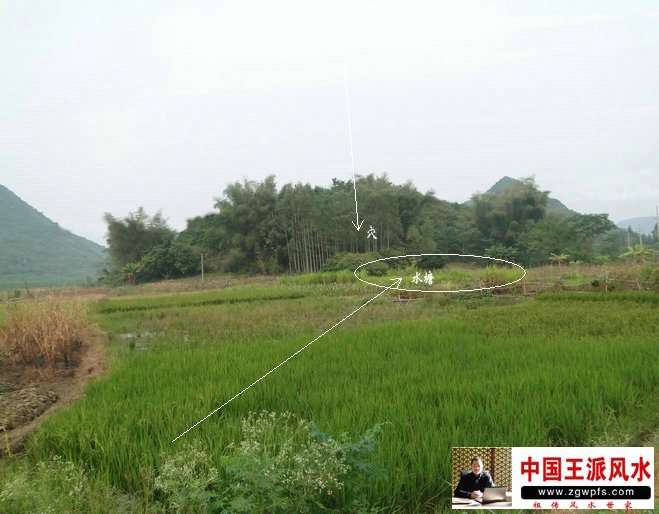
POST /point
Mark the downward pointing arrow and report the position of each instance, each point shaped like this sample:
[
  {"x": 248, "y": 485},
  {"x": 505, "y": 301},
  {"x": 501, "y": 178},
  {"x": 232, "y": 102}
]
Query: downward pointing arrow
[
  {"x": 352, "y": 156},
  {"x": 358, "y": 225}
]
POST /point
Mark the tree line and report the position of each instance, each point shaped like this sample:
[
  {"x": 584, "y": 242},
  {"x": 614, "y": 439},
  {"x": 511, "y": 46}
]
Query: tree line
[{"x": 257, "y": 227}]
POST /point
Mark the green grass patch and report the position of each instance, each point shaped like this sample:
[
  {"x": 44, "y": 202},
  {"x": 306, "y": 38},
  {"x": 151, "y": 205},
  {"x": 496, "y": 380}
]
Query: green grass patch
[
  {"x": 577, "y": 280},
  {"x": 323, "y": 277}
]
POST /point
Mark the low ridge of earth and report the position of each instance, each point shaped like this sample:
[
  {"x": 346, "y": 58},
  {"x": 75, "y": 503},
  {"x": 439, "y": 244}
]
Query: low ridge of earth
[
  {"x": 19, "y": 407},
  {"x": 28, "y": 395}
]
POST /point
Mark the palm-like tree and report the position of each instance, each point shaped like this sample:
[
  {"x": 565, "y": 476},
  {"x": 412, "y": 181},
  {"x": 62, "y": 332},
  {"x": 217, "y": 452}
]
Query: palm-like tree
[
  {"x": 638, "y": 253},
  {"x": 558, "y": 258},
  {"x": 129, "y": 272}
]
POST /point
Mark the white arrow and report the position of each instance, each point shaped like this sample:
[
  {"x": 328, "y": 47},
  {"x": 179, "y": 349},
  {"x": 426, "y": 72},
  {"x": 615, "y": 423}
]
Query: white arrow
[
  {"x": 357, "y": 225},
  {"x": 396, "y": 283}
]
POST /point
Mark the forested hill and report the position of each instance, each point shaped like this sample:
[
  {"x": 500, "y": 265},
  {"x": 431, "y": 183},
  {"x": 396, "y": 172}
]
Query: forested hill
[
  {"x": 35, "y": 251},
  {"x": 506, "y": 184}
]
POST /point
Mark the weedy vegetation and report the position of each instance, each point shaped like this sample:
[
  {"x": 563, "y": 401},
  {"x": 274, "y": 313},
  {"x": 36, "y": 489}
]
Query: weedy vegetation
[
  {"x": 45, "y": 332},
  {"x": 281, "y": 464},
  {"x": 58, "y": 486}
]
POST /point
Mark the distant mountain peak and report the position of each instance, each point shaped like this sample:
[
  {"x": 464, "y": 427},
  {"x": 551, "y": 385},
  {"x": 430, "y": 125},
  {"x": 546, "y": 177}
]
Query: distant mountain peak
[
  {"x": 36, "y": 251},
  {"x": 643, "y": 225},
  {"x": 505, "y": 183}
]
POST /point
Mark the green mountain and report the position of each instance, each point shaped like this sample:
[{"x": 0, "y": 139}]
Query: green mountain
[
  {"x": 505, "y": 183},
  {"x": 35, "y": 251}
]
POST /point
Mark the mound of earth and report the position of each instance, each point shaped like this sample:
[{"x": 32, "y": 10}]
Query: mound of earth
[
  {"x": 28, "y": 394},
  {"x": 17, "y": 408}
]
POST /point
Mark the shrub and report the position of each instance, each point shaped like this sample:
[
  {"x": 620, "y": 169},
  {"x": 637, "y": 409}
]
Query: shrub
[
  {"x": 280, "y": 467},
  {"x": 377, "y": 269},
  {"x": 434, "y": 262},
  {"x": 186, "y": 479},
  {"x": 347, "y": 261},
  {"x": 234, "y": 262},
  {"x": 45, "y": 332},
  {"x": 282, "y": 464}
]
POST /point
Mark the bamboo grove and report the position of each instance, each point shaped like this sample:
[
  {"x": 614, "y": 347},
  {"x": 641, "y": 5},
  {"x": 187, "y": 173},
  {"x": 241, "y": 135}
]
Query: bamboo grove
[{"x": 257, "y": 227}]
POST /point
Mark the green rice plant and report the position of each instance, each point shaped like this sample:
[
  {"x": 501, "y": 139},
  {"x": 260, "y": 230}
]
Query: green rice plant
[
  {"x": 443, "y": 374},
  {"x": 233, "y": 295},
  {"x": 236, "y": 323}
]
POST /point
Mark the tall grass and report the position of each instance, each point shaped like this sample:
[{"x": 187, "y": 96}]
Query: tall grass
[
  {"x": 45, "y": 332},
  {"x": 526, "y": 374},
  {"x": 497, "y": 276}
]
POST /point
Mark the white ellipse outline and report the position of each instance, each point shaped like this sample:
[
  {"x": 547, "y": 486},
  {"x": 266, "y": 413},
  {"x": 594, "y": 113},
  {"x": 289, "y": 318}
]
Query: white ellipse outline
[{"x": 439, "y": 254}]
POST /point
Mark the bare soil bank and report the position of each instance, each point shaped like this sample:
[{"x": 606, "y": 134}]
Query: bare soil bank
[{"x": 28, "y": 395}]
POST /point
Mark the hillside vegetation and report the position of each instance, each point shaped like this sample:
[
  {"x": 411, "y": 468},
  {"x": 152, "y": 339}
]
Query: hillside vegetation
[
  {"x": 259, "y": 227},
  {"x": 35, "y": 251}
]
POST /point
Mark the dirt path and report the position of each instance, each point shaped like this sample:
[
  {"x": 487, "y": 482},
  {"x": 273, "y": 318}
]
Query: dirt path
[{"x": 28, "y": 396}]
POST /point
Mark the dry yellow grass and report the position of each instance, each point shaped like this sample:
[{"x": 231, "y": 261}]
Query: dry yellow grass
[{"x": 45, "y": 332}]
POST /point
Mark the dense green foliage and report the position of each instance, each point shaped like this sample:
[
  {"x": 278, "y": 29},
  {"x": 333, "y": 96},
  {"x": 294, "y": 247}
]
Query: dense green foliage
[
  {"x": 283, "y": 464},
  {"x": 300, "y": 228},
  {"x": 411, "y": 365},
  {"x": 259, "y": 228},
  {"x": 131, "y": 238},
  {"x": 144, "y": 247},
  {"x": 34, "y": 251},
  {"x": 503, "y": 218}
]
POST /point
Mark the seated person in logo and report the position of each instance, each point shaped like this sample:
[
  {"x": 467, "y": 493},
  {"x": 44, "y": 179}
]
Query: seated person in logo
[{"x": 471, "y": 485}]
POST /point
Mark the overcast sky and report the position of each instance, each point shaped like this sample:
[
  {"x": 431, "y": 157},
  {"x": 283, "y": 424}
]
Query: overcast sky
[{"x": 106, "y": 106}]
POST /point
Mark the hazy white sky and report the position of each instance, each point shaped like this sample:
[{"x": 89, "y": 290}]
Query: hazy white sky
[{"x": 106, "y": 106}]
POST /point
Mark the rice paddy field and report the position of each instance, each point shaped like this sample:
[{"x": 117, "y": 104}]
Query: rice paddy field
[{"x": 438, "y": 371}]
